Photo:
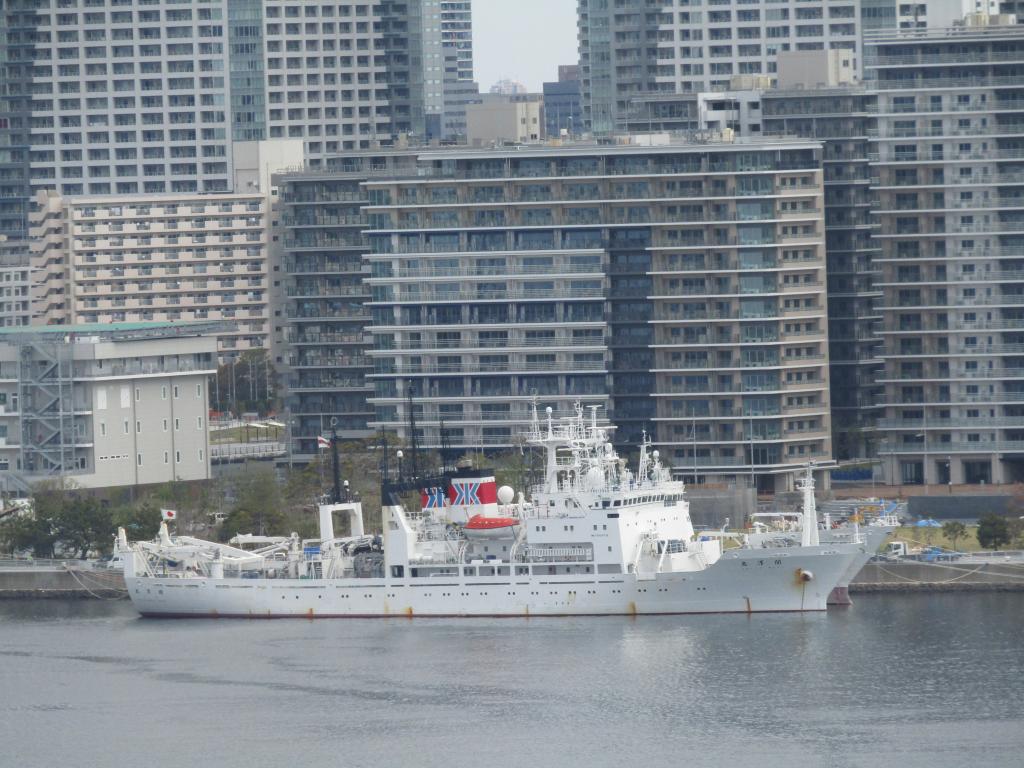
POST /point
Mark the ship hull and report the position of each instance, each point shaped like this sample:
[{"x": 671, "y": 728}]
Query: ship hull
[
  {"x": 740, "y": 582},
  {"x": 873, "y": 538}
]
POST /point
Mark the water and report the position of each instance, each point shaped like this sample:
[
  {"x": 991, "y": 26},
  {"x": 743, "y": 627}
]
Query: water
[{"x": 896, "y": 680}]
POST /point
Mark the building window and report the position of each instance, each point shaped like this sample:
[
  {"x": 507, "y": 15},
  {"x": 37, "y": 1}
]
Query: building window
[
  {"x": 199, "y": 422},
  {"x": 177, "y": 424},
  {"x": 138, "y": 394},
  {"x": 166, "y": 457},
  {"x": 103, "y": 429},
  {"x": 165, "y": 425},
  {"x": 126, "y": 430},
  {"x": 175, "y": 391},
  {"x": 201, "y": 455},
  {"x": 163, "y": 392},
  {"x": 138, "y": 427},
  {"x": 199, "y": 390},
  {"x": 138, "y": 458},
  {"x": 177, "y": 457}
]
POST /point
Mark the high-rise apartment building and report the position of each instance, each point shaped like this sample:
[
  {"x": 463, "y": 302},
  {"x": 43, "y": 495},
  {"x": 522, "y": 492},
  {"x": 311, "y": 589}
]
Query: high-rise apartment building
[
  {"x": 321, "y": 318},
  {"x": 633, "y": 49},
  {"x": 117, "y": 259},
  {"x": 15, "y": 284},
  {"x": 841, "y": 118},
  {"x": 638, "y": 46},
  {"x": 563, "y": 103},
  {"x": 947, "y": 154},
  {"x": 681, "y": 285},
  {"x": 108, "y": 97}
]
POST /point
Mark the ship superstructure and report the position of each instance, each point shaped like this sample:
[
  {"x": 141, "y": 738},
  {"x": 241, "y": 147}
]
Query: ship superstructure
[{"x": 594, "y": 538}]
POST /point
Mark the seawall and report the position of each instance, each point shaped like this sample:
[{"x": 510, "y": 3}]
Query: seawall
[
  {"x": 956, "y": 576},
  {"x": 45, "y": 583}
]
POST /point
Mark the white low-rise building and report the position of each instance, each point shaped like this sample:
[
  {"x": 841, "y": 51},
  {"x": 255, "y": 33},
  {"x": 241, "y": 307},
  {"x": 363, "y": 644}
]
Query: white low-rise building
[{"x": 104, "y": 406}]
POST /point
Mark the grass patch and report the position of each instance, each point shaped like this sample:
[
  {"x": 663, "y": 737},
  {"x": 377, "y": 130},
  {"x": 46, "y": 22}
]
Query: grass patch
[
  {"x": 250, "y": 434},
  {"x": 933, "y": 537}
]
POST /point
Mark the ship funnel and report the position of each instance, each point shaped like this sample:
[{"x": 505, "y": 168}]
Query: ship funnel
[{"x": 472, "y": 492}]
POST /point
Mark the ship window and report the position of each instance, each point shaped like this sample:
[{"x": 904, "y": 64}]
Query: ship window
[
  {"x": 616, "y": 503},
  {"x": 467, "y": 571},
  {"x": 613, "y": 514},
  {"x": 606, "y": 503},
  {"x": 397, "y": 571}
]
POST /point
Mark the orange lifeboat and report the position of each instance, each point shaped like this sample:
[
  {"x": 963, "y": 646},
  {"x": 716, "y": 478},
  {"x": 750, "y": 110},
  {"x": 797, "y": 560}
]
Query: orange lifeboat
[{"x": 483, "y": 527}]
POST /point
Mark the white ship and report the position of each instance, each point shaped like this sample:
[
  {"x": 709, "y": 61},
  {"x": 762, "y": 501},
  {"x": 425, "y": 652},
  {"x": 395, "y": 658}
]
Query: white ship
[
  {"x": 594, "y": 539},
  {"x": 780, "y": 529}
]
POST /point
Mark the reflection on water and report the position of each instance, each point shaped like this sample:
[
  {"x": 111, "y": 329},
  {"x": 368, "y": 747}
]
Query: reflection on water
[{"x": 896, "y": 680}]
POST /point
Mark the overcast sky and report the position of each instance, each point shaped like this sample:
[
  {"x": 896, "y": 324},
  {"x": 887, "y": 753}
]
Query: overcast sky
[{"x": 522, "y": 40}]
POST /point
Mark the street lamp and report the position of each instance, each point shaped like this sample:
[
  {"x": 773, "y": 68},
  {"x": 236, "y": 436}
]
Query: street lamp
[
  {"x": 949, "y": 474},
  {"x": 399, "y": 455}
]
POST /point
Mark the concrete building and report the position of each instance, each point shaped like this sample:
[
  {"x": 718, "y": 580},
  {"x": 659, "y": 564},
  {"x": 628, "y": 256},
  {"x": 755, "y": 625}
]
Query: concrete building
[
  {"x": 108, "y": 97},
  {"x": 841, "y": 118},
  {"x": 515, "y": 119},
  {"x": 685, "y": 280},
  {"x": 103, "y": 406},
  {"x": 563, "y": 103},
  {"x": 808, "y": 70},
  {"x": 15, "y": 284},
  {"x": 117, "y": 259},
  {"x": 635, "y": 46},
  {"x": 321, "y": 318},
  {"x": 447, "y": 67},
  {"x": 949, "y": 181}
]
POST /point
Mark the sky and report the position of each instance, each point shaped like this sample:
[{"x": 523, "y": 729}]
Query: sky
[{"x": 522, "y": 40}]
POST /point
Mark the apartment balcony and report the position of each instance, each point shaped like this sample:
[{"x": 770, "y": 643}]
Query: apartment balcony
[
  {"x": 319, "y": 243},
  {"x": 324, "y": 266},
  {"x": 919, "y": 425},
  {"x": 305, "y": 337},
  {"x": 921, "y": 132},
  {"x": 327, "y": 314},
  {"x": 516, "y": 366},
  {"x": 355, "y": 291},
  {"x": 328, "y": 383},
  {"x": 566, "y": 293},
  {"x": 470, "y": 344},
  {"x": 473, "y": 271},
  {"x": 957, "y": 447},
  {"x": 323, "y": 220},
  {"x": 329, "y": 361},
  {"x": 909, "y": 85},
  {"x": 878, "y": 61}
]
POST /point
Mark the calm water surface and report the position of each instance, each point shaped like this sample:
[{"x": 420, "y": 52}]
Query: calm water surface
[{"x": 896, "y": 680}]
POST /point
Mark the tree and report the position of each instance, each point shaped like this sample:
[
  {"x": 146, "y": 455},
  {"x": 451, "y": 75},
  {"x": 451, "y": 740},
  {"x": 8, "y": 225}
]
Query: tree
[
  {"x": 141, "y": 520},
  {"x": 993, "y": 531},
  {"x": 954, "y": 531},
  {"x": 257, "y": 507},
  {"x": 247, "y": 383},
  {"x": 64, "y": 520}
]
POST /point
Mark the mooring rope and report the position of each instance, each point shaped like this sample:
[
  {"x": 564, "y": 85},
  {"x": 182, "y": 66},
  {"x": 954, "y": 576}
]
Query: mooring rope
[
  {"x": 77, "y": 576},
  {"x": 963, "y": 575}
]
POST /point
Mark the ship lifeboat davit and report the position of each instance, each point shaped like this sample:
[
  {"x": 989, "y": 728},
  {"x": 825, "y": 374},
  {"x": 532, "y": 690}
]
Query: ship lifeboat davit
[{"x": 483, "y": 527}]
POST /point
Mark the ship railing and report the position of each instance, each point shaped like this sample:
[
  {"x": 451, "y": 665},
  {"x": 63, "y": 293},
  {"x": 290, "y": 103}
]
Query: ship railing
[{"x": 555, "y": 555}]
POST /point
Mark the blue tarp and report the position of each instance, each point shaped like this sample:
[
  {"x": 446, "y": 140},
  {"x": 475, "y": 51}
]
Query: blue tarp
[{"x": 928, "y": 524}]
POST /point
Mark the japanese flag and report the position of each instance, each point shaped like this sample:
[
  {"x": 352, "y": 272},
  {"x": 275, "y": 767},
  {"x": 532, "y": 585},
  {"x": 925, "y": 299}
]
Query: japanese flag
[{"x": 168, "y": 514}]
